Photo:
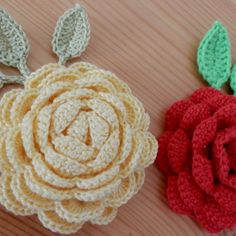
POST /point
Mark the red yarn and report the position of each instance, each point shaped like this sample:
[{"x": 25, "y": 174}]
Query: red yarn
[{"x": 197, "y": 153}]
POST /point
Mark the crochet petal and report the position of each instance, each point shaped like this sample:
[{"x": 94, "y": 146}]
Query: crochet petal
[
  {"x": 6, "y": 104},
  {"x": 57, "y": 224},
  {"x": 179, "y": 151},
  {"x": 189, "y": 191},
  {"x": 28, "y": 198},
  {"x": 22, "y": 105},
  {"x": 119, "y": 85},
  {"x": 202, "y": 171},
  {"x": 162, "y": 160},
  {"x": 174, "y": 199},
  {"x": 204, "y": 135},
  {"x": 108, "y": 216},
  {"x": 82, "y": 67},
  {"x": 226, "y": 198},
  {"x": 75, "y": 211},
  {"x": 194, "y": 116},
  {"x": 231, "y": 150},
  {"x": 62, "y": 75},
  {"x": 227, "y": 115},
  {"x": 214, "y": 219},
  {"x": 221, "y": 156},
  {"x": 8, "y": 199},
  {"x": 216, "y": 102},
  {"x": 126, "y": 190},
  {"x": 175, "y": 113},
  {"x": 149, "y": 150},
  {"x": 203, "y": 94},
  {"x": 36, "y": 77}
]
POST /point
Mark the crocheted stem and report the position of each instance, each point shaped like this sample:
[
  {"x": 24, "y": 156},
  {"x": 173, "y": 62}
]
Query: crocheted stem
[
  {"x": 62, "y": 60},
  {"x": 23, "y": 68},
  {"x": 9, "y": 79}
]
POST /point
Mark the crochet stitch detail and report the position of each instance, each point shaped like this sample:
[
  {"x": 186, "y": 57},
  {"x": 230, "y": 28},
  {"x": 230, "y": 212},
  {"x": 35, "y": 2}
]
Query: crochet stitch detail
[
  {"x": 214, "y": 57},
  {"x": 14, "y": 46},
  {"x": 197, "y": 156},
  {"x": 70, "y": 39},
  {"x": 74, "y": 145},
  {"x": 72, "y": 34}
]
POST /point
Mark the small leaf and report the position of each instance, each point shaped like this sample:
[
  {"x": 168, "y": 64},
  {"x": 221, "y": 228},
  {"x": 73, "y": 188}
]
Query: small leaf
[
  {"x": 214, "y": 57},
  {"x": 72, "y": 33},
  {"x": 14, "y": 46}
]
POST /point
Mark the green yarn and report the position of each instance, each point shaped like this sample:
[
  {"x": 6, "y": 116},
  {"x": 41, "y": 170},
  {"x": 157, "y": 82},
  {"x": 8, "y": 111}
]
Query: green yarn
[
  {"x": 70, "y": 39},
  {"x": 8, "y": 79},
  {"x": 72, "y": 34},
  {"x": 14, "y": 46},
  {"x": 214, "y": 57}
]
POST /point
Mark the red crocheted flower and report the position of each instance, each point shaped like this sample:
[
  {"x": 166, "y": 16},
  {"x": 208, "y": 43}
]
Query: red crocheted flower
[{"x": 197, "y": 153}]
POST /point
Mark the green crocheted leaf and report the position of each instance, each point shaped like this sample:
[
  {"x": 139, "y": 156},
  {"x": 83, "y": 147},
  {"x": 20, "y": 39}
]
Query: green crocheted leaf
[
  {"x": 14, "y": 46},
  {"x": 214, "y": 57},
  {"x": 71, "y": 35}
]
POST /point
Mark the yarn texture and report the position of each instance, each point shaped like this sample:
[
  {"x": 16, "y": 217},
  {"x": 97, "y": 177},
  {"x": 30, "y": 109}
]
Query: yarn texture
[
  {"x": 14, "y": 46},
  {"x": 197, "y": 154},
  {"x": 74, "y": 142},
  {"x": 74, "y": 146},
  {"x": 214, "y": 56},
  {"x": 72, "y": 34}
]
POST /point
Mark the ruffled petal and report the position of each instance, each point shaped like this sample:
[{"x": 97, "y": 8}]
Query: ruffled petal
[
  {"x": 226, "y": 198},
  {"x": 190, "y": 192},
  {"x": 175, "y": 114},
  {"x": 179, "y": 151},
  {"x": 203, "y": 94},
  {"x": 174, "y": 199},
  {"x": 194, "y": 116},
  {"x": 203, "y": 172},
  {"x": 162, "y": 160},
  {"x": 214, "y": 219},
  {"x": 56, "y": 224}
]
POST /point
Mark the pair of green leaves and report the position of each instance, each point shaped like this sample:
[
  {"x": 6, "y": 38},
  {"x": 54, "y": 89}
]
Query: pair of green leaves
[
  {"x": 70, "y": 38},
  {"x": 214, "y": 58}
]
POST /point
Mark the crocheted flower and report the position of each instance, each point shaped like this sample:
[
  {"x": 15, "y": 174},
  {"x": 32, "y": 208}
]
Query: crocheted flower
[
  {"x": 197, "y": 154},
  {"x": 74, "y": 145}
]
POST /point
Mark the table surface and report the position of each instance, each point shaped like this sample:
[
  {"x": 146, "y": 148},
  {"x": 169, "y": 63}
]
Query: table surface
[{"x": 151, "y": 45}]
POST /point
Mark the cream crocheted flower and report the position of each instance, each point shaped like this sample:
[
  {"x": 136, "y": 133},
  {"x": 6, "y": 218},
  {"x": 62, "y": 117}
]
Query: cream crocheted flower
[{"x": 74, "y": 145}]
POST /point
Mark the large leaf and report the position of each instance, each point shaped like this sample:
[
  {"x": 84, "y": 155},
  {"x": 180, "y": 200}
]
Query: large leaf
[
  {"x": 14, "y": 46},
  {"x": 72, "y": 33},
  {"x": 214, "y": 57}
]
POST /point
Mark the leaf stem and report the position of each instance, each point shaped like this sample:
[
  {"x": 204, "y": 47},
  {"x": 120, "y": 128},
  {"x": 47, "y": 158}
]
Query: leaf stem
[
  {"x": 23, "y": 68},
  {"x": 62, "y": 60},
  {"x": 9, "y": 79}
]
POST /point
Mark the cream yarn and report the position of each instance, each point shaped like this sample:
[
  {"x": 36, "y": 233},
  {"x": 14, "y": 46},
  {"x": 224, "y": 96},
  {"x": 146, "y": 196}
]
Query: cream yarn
[
  {"x": 74, "y": 142},
  {"x": 74, "y": 146}
]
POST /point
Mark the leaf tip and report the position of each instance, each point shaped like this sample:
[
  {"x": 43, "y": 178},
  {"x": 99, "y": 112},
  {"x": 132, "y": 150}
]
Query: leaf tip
[
  {"x": 77, "y": 5},
  {"x": 218, "y": 23}
]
